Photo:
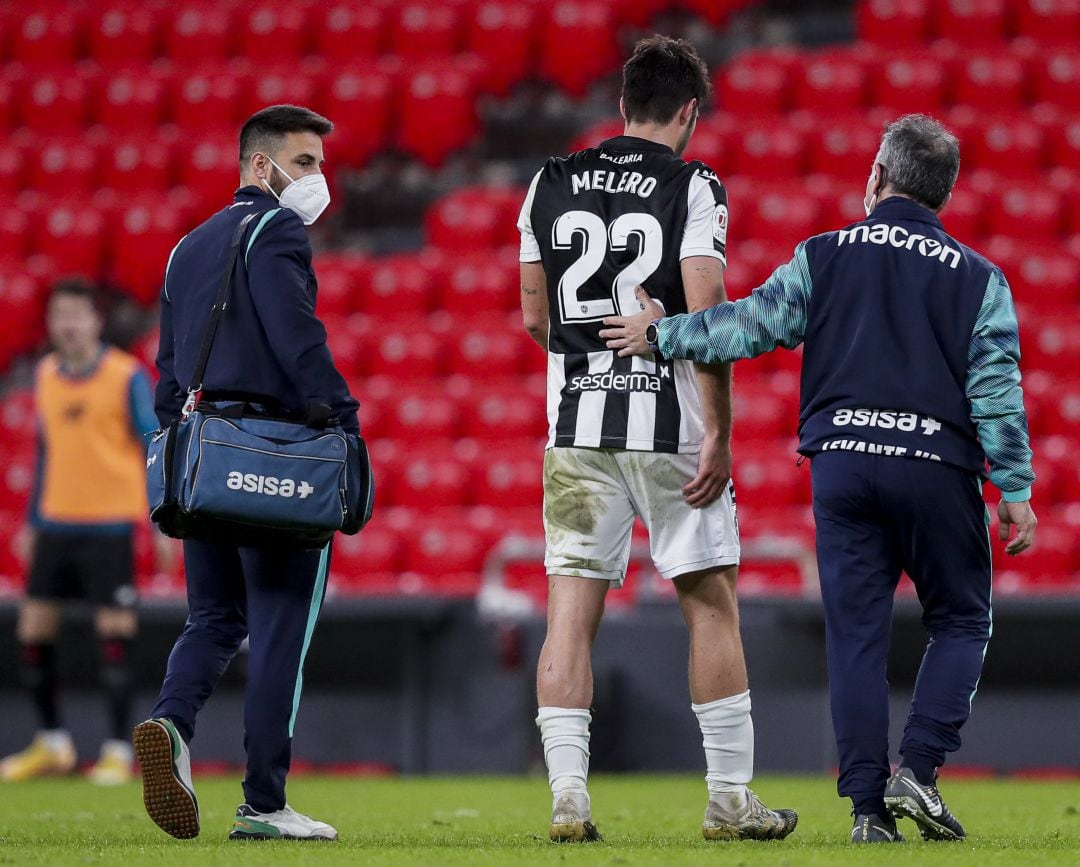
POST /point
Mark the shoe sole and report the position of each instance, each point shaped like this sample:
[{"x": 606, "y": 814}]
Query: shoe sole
[
  {"x": 260, "y": 837},
  {"x": 574, "y": 832},
  {"x": 168, "y": 802},
  {"x": 902, "y": 806}
]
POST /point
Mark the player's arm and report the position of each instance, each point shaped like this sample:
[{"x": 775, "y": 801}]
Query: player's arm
[
  {"x": 773, "y": 315},
  {"x": 997, "y": 410},
  {"x": 534, "y": 302},
  {"x": 168, "y": 400},
  {"x": 703, "y": 284}
]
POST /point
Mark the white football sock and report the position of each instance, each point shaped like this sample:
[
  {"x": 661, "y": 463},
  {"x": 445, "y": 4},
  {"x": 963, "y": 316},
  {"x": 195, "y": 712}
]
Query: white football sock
[
  {"x": 728, "y": 737},
  {"x": 564, "y": 732}
]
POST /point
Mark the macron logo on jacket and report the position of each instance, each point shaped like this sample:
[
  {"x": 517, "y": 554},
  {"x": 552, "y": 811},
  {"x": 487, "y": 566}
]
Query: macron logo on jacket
[{"x": 901, "y": 238}]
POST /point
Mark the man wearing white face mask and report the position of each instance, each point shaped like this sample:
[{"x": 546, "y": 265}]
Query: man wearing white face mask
[{"x": 270, "y": 350}]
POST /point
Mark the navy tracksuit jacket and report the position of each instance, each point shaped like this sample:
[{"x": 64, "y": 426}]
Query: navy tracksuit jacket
[
  {"x": 910, "y": 385},
  {"x": 270, "y": 348}
]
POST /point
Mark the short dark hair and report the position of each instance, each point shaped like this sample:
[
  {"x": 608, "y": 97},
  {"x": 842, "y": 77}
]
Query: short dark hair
[
  {"x": 265, "y": 129},
  {"x": 76, "y": 287},
  {"x": 662, "y": 75},
  {"x": 921, "y": 159}
]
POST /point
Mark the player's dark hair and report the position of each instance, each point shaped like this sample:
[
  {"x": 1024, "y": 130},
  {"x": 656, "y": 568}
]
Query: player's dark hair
[
  {"x": 662, "y": 75},
  {"x": 264, "y": 131},
  {"x": 921, "y": 159},
  {"x": 75, "y": 287}
]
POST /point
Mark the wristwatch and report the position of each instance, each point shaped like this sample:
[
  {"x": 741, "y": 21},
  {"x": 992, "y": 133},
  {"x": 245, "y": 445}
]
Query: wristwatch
[{"x": 652, "y": 335}]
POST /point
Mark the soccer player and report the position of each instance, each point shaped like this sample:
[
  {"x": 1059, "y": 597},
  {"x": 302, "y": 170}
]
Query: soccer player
[
  {"x": 93, "y": 406},
  {"x": 637, "y": 436},
  {"x": 910, "y": 384}
]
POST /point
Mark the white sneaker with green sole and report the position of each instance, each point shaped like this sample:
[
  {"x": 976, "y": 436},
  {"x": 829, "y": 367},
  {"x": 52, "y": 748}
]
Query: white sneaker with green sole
[{"x": 284, "y": 824}]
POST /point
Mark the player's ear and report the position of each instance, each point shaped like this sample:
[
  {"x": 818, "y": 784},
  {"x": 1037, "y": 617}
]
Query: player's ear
[
  {"x": 687, "y": 112},
  {"x": 622, "y": 108}
]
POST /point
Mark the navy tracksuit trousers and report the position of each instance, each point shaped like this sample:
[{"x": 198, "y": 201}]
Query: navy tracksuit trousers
[
  {"x": 877, "y": 516},
  {"x": 272, "y": 597}
]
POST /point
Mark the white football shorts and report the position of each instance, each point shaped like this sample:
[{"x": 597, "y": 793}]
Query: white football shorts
[{"x": 592, "y": 495}]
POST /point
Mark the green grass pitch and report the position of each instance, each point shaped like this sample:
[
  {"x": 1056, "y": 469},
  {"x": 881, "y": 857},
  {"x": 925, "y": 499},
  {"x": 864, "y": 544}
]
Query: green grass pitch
[{"x": 651, "y": 820}]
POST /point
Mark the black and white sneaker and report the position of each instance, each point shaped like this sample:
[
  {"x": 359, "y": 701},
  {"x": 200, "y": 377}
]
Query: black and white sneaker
[
  {"x": 872, "y": 828},
  {"x": 283, "y": 824},
  {"x": 906, "y": 796}
]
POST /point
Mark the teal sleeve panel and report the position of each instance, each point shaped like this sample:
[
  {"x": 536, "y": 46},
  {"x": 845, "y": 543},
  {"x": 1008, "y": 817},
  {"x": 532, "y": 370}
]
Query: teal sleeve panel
[
  {"x": 994, "y": 392},
  {"x": 773, "y": 315}
]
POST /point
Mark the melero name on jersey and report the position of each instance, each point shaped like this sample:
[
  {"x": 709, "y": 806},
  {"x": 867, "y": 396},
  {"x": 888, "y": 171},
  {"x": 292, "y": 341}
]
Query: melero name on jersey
[{"x": 602, "y": 181}]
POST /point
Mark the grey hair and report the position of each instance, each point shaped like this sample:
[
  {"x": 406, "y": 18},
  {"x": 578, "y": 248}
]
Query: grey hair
[{"x": 921, "y": 159}]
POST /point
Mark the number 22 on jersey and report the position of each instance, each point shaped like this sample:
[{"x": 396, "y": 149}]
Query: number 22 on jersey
[{"x": 596, "y": 239}]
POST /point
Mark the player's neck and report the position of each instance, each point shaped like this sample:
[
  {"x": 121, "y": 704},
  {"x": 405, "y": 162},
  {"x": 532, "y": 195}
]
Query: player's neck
[
  {"x": 668, "y": 134},
  {"x": 81, "y": 360}
]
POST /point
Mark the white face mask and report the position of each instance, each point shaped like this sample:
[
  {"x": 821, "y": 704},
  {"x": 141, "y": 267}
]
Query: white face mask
[{"x": 307, "y": 196}]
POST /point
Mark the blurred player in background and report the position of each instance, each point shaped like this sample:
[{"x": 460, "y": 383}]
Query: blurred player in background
[
  {"x": 639, "y": 437},
  {"x": 910, "y": 385},
  {"x": 94, "y": 406}
]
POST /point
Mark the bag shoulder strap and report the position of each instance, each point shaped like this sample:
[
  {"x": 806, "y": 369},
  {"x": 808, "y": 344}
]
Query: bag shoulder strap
[{"x": 217, "y": 311}]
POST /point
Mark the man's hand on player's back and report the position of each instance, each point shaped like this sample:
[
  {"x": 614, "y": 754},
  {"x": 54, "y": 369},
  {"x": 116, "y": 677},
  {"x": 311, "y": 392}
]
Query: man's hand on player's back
[{"x": 627, "y": 333}]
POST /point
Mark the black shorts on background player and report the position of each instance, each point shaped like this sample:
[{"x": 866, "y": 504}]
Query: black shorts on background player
[{"x": 96, "y": 567}]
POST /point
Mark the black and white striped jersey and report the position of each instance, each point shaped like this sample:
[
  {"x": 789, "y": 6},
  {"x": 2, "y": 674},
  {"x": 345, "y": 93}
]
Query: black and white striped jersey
[{"x": 603, "y": 221}]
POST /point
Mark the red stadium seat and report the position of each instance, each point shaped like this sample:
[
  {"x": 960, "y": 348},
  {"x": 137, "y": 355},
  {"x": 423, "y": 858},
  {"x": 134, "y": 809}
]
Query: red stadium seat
[
  {"x": 17, "y": 479},
  {"x": 505, "y": 411},
  {"x": 376, "y": 552},
  {"x": 200, "y": 31},
  {"x": 438, "y": 108},
  {"x": 123, "y": 32},
  {"x": 423, "y": 414},
  {"x": 64, "y": 166},
  {"x": 135, "y": 164},
  {"x": 897, "y": 23},
  {"x": 831, "y": 82},
  {"x": 782, "y": 217},
  {"x": 909, "y": 82},
  {"x": 769, "y": 150},
  {"x": 398, "y": 285},
  {"x": 971, "y": 22},
  {"x": 292, "y": 84},
  {"x": 475, "y": 217},
  {"x": 756, "y": 83},
  {"x": 963, "y": 215},
  {"x": 340, "y": 277},
  {"x": 430, "y": 478},
  {"x": 484, "y": 347},
  {"x": 1050, "y": 343},
  {"x": 398, "y": 347},
  {"x": 358, "y": 100},
  {"x": 21, "y": 311},
  {"x": 1056, "y": 78},
  {"x": 991, "y": 80},
  {"x": 275, "y": 29},
  {"x": 54, "y": 101},
  {"x": 760, "y": 416},
  {"x": 1047, "y": 278},
  {"x": 1048, "y": 21},
  {"x": 509, "y": 476},
  {"x": 1063, "y": 146},
  {"x": 48, "y": 35},
  {"x": 1011, "y": 146},
  {"x": 423, "y": 29},
  {"x": 346, "y": 31},
  {"x": 577, "y": 43},
  {"x": 843, "y": 147},
  {"x": 502, "y": 34},
  {"x": 1026, "y": 210},
  {"x": 133, "y": 99},
  {"x": 472, "y": 282},
  {"x": 147, "y": 233},
  {"x": 210, "y": 169},
  {"x": 766, "y": 475},
  {"x": 74, "y": 235},
  {"x": 208, "y": 95},
  {"x": 447, "y": 556}
]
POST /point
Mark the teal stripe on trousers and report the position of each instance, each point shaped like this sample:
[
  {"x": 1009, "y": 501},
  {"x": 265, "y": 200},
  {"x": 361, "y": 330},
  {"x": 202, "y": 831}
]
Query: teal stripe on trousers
[{"x": 313, "y": 617}]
